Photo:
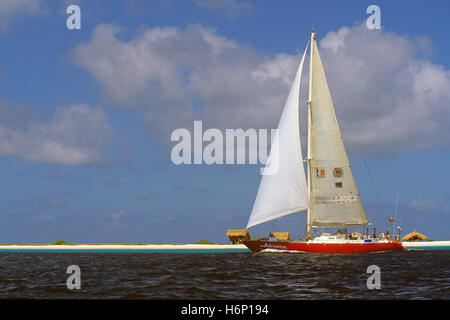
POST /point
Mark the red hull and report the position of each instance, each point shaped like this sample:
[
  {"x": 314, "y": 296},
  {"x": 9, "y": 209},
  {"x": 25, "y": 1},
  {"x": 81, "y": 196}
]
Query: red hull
[{"x": 314, "y": 247}]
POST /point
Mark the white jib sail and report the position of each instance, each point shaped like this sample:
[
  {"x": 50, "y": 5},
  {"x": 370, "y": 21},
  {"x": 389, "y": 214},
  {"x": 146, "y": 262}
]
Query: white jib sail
[{"x": 283, "y": 188}]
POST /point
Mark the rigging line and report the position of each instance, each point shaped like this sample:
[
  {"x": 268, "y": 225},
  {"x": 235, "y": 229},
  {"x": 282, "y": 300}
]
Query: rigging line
[
  {"x": 396, "y": 221},
  {"x": 396, "y": 205},
  {"x": 372, "y": 180}
]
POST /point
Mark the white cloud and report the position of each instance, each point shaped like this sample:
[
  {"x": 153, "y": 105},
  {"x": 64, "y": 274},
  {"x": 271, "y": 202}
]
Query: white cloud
[
  {"x": 395, "y": 100},
  {"x": 162, "y": 220},
  {"x": 9, "y": 9},
  {"x": 74, "y": 136},
  {"x": 116, "y": 216},
  {"x": 429, "y": 205},
  {"x": 175, "y": 76}
]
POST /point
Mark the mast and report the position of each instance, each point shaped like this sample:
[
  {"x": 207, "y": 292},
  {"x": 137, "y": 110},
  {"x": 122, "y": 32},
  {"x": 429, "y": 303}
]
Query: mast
[{"x": 308, "y": 157}]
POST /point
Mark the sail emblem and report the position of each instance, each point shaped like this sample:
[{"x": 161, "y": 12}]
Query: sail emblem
[
  {"x": 320, "y": 173},
  {"x": 338, "y": 172}
]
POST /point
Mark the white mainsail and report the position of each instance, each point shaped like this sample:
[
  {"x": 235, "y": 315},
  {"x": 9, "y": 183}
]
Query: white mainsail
[
  {"x": 285, "y": 191},
  {"x": 334, "y": 197}
]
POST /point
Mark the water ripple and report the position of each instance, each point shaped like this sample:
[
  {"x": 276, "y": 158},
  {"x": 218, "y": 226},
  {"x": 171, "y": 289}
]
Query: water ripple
[{"x": 404, "y": 275}]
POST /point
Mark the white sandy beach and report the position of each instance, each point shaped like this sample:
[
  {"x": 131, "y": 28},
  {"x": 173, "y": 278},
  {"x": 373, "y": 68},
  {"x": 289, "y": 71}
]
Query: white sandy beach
[
  {"x": 426, "y": 244},
  {"x": 123, "y": 246}
]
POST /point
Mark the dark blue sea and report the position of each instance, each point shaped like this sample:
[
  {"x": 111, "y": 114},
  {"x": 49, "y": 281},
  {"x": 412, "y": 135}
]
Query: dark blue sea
[{"x": 238, "y": 276}]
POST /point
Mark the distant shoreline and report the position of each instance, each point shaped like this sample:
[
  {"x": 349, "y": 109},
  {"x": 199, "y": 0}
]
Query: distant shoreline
[{"x": 175, "y": 246}]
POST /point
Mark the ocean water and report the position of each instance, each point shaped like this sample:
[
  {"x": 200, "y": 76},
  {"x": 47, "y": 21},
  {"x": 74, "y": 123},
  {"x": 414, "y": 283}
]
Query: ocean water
[{"x": 240, "y": 275}]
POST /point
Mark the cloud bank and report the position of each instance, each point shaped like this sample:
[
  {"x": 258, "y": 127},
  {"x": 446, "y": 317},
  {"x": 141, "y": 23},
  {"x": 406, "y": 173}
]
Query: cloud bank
[
  {"x": 387, "y": 96},
  {"x": 9, "y": 9},
  {"x": 74, "y": 136},
  {"x": 395, "y": 100},
  {"x": 174, "y": 76}
]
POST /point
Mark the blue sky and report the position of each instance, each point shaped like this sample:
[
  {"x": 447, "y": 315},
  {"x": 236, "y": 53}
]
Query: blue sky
[{"x": 86, "y": 115}]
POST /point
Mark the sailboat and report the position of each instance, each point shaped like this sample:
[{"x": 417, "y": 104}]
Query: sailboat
[{"x": 328, "y": 192}]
